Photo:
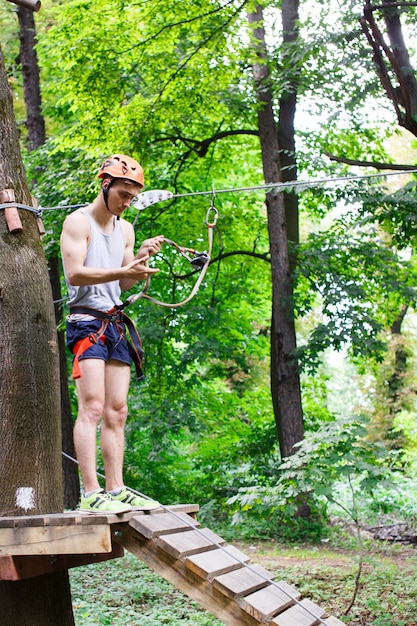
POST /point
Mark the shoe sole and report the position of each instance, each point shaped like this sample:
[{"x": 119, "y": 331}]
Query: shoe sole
[
  {"x": 97, "y": 512},
  {"x": 146, "y": 508}
]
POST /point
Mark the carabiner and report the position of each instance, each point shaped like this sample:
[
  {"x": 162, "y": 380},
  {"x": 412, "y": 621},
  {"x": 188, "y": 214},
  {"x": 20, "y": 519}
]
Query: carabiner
[{"x": 216, "y": 215}]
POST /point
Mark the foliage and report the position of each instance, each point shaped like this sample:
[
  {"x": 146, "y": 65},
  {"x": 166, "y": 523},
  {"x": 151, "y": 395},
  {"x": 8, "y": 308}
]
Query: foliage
[
  {"x": 87, "y": 73},
  {"x": 391, "y": 501},
  {"x": 326, "y": 574},
  {"x": 229, "y": 442},
  {"x": 125, "y": 591},
  {"x": 358, "y": 277},
  {"x": 338, "y": 451}
]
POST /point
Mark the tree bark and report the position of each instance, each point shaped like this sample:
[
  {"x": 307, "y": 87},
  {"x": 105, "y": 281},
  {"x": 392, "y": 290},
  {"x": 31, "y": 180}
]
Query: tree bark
[
  {"x": 36, "y": 137},
  {"x": 286, "y": 129},
  {"x": 401, "y": 64},
  {"x": 71, "y": 481},
  {"x": 30, "y": 456},
  {"x": 31, "y": 79},
  {"x": 285, "y": 383},
  {"x": 393, "y": 59}
]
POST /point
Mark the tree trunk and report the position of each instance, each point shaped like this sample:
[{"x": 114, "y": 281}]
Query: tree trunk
[
  {"x": 285, "y": 383},
  {"x": 41, "y": 601},
  {"x": 286, "y": 130},
  {"x": 71, "y": 482},
  {"x": 36, "y": 137},
  {"x": 402, "y": 66},
  {"x": 392, "y": 61},
  {"x": 30, "y": 456},
  {"x": 30, "y": 70}
]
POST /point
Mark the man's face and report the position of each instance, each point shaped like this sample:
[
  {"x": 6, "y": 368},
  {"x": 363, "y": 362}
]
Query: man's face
[{"x": 121, "y": 195}]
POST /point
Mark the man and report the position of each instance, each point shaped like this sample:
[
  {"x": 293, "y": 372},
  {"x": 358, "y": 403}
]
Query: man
[{"x": 99, "y": 262}]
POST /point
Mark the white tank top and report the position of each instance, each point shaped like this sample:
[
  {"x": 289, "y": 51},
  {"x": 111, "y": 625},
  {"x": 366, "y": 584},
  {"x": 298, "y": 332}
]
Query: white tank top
[{"x": 104, "y": 251}]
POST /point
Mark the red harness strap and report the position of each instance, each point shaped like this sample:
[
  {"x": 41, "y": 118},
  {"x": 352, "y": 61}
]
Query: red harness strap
[
  {"x": 115, "y": 315},
  {"x": 83, "y": 344}
]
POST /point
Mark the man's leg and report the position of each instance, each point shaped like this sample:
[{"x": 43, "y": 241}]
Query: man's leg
[
  {"x": 117, "y": 379},
  {"x": 90, "y": 390}
]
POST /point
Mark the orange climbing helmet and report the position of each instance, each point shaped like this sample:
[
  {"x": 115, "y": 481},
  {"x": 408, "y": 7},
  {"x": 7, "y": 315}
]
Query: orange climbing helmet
[{"x": 122, "y": 166}]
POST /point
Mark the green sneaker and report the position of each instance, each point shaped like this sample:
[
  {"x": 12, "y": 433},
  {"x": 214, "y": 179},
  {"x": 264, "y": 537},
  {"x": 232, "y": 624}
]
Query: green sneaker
[
  {"x": 136, "y": 502},
  {"x": 101, "y": 502}
]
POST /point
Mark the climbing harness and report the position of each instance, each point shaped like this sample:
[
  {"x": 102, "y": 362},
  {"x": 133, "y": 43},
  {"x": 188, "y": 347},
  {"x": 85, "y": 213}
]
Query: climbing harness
[{"x": 117, "y": 316}]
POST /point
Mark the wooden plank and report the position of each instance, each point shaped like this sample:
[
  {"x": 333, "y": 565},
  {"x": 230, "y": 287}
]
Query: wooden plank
[
  {"x": 180, "y": 545},
  {"x": 151, "y": 526},
  {"x": 333, "y": 621},
  {"x": 191, "y": 509},
  {"x": 303, "y": 614},
  {"x": 40, "y": 521},
  {"x": 174, "y": 570},
  {"x": 213, "y": 563},
  {"x": 70, "y": 518},
  {"x": 37, "y": 520},
  {"x": 243, "y": 581},
  {"x": 20, "y": 567},
  {"x": 77, "y": 539},
  {"x": 266, "y": 603}
]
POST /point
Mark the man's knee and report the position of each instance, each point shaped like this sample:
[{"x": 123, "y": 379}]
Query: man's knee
[
  {"x": 115, "y": 415},
  {"x": 91, "y": 411}
]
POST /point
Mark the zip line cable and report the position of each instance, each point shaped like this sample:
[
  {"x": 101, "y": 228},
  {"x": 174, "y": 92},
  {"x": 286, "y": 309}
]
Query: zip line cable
[
  {"x": 220, "y": 547},
  {"x": 169, "y": 195},
  {"x": 295, "y": 183}
]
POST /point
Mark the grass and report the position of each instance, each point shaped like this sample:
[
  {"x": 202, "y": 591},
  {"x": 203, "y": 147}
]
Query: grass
[
  {"x": 388, "y": 590},
  {"x": 125, "y": 591}
]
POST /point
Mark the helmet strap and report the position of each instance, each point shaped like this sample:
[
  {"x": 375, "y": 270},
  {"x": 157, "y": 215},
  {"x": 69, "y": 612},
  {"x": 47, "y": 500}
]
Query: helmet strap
[{"x": 105, "y": 190}]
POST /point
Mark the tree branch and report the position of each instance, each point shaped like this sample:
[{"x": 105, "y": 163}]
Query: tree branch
[
  {"x": 155, "y": 35},
  {"x": 377, "y": 165},
  {"x": 201, "y": 146},
  {"x": 377, "y": 7},
  {"x": 33, "y": 5},
  {"x": 220, "y": 257},
  {"x": 200, "y": 46}
]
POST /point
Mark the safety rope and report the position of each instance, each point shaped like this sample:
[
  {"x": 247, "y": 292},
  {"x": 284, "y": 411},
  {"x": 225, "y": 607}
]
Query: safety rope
[
  {"x": 201, "y": 259},
  {"x": 39, "y": 210},
  {"x": 220, "y": 547}
]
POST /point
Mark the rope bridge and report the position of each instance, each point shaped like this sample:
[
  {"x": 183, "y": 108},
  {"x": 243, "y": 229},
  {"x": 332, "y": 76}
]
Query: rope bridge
[{"x": 170, "y": 541}]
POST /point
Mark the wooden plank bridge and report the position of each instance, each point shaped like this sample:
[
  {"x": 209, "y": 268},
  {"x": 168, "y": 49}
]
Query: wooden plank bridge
[{"x": 171, "y": 542}]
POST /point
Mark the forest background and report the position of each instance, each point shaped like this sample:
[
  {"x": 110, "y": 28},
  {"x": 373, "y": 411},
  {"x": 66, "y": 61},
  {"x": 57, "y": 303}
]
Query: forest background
[{"x": 176, "y": 85}]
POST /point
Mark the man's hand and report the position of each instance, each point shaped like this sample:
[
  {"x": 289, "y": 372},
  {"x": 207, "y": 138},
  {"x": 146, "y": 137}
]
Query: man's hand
[
  {"x": 139, "y": 269},
  {"x": 150, "y": 246}
]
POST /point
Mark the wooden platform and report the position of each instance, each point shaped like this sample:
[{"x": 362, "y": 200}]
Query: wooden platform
[{"x": 170, "y": 541}]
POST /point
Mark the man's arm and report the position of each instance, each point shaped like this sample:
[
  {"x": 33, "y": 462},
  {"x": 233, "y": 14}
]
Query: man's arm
[{"x": 74, "y": 241}]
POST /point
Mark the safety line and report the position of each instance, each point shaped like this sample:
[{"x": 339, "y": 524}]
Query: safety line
[
  {"x": 39, "y": 210},
  {"x": 292, "y": 184},
  {"x": 219, "y": 546},
  {"x": 271, "y": 186}
]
